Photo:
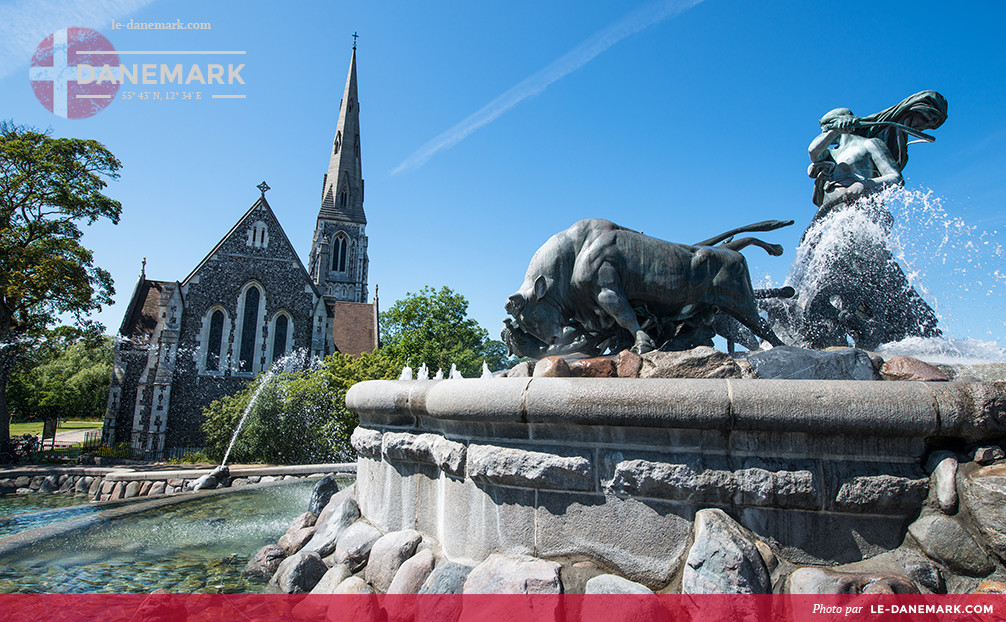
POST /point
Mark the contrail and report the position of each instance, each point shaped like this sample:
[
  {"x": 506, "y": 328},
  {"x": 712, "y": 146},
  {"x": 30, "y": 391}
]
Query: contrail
[
  {"x": 24, "y": 23},
  {"x": 569, "y": 62}
]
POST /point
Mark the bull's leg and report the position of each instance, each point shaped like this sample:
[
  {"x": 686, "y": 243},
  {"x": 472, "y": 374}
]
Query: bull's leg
[
  {"x": 756, "y": 323},
  {"x": 612, "y": 301}
]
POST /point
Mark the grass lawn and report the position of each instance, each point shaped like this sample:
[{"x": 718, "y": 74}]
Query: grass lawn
[{"x": 35, "y": 427}]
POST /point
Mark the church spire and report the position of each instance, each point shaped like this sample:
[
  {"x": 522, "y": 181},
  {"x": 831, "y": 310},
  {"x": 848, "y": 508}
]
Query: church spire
[
  {"x": 342, "y": 195},
  {"x": 338, "y": 261}
]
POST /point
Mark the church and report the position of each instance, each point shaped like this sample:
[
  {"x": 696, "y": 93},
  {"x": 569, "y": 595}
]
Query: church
[{"x": 248, "y": 303}]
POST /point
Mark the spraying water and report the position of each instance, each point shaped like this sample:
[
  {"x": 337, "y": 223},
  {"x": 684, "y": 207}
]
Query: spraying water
[
  {"x": 486, "y": 372},
  {"x": 455, "y": 374},
  {"x": 406, "y": 373},
  {"x": 423, "y": 373},
  {"x": 290, "y": 362}
]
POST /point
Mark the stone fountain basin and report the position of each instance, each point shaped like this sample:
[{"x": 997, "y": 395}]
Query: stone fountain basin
[{"x": 827, "y": 472}]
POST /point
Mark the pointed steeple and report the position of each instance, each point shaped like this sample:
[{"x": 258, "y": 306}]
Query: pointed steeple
[
  {"x": 338, "y": 261},
  {"x": 342, "y": 195}
]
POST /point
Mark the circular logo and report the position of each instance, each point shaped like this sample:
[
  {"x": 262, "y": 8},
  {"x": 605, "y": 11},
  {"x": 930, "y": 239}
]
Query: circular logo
[{"x": 74, "y": 73}]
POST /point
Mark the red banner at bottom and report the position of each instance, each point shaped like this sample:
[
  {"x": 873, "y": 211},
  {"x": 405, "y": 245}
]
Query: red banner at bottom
[{"x": 471, "y": 608}]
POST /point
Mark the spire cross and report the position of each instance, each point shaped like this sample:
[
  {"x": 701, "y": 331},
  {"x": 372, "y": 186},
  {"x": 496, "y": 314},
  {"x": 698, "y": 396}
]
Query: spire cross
[
  {"x": 354, "y": 40},
  {"x": 263, "y": 187}
]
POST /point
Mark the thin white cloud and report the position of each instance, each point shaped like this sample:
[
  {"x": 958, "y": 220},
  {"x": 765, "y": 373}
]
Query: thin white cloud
[
  {"x": 569, "y": 62},
  {"x": 24, "y": 23}
]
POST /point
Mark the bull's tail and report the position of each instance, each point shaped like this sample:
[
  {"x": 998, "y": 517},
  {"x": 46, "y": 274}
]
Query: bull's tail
[{"x": 765, "y": 225}]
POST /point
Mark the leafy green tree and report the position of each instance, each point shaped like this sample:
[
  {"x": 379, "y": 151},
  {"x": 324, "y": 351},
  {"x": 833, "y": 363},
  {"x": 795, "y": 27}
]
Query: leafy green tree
[
  {"x": 63, "y": 374},
  {"x": 433, "y": 327},
  {"x": 294, "y": 418},
  {"x": 48, "y": 187}
]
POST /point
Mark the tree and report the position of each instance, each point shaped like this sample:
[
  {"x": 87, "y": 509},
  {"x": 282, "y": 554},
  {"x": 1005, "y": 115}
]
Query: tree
[
  {"x": 48, "y": 186},
  {"x": 433, "y": 327},
  {"x": 298, "y": 417},
  {"x": 67, "y": 372}
]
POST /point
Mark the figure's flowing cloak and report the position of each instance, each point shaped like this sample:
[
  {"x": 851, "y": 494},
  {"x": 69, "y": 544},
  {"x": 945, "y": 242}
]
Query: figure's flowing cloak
[{"x": 926, "y": 110}]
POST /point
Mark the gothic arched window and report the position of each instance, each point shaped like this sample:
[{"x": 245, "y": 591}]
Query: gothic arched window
[
  {"x": 340, "y": 252},
  {"x": 215, "y": 342},
  {"x": 281, "y": 326},
  {"x": 338, "y": 142},
  {"x": 249, "y": 324}
]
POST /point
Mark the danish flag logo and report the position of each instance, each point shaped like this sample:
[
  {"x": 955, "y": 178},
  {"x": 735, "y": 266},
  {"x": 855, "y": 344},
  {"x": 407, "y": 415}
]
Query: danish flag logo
[{"x": 53, "y": 72}]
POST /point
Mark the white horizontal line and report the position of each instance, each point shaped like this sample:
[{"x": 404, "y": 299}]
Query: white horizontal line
[
  {"x": 161, "y": 52},
  {"x": 94, "y": 97},
  {"x": 228, "y": 96}
]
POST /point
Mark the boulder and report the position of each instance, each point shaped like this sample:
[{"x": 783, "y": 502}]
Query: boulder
[
  {"x": 307, "y": 519},
  {"x": 388, "y": 554},
  {"x": 724, "y": 558},
  {"x": 643, "y": 606},
  {"x": 344, "y": 512},
  {"x": 447, "y": 578},
  {"x": 826, "y": 581},
  {"x": 524, "y": 369},
  {"x": 614, "y": 584},
  {"x": 353, "y": 585},
  {"x": 266, "y": 562},
  {"x": 551, "y": 367},
  {"x": 791, "y": 363},
  {"x": 988, "y": 455},
  {"x": 412, "y": 573},
  {"x": 331, "y": 580},
  {"x": 629, "y": 364},
  {"x": 907, "y": 368},
  {"x": 322, "y": 494},
  {"x": 206, "y": 482},
  {"x": 514, "y": 574},
  {"x": 83, "y": 484},
  {"x": 50, "y": 483},
  {"x": 157, "y": 488},
  {"x": 22, "y": 481},
  {"x": 145, "y": 488},
  {"x": 298, "y": 574},
  {"x": 95, "y": 488},
  {"x": 66, "y": 484},
  {"x": 354, "y": 545},
  {"x": 945, "y": 540},
  {"x": 593, "y": 368},
  {"x": 984, "y": 495},
  {"x": 295, "y": 539},
  {"x": 990, "y": 587},
  {"x": 944, "y": 483},
  {"x": 132, "y": 490},
  {"x": 700, "y": 362}
]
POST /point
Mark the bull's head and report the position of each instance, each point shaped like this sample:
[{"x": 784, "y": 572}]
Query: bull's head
[{"x": 536, "y": 312}]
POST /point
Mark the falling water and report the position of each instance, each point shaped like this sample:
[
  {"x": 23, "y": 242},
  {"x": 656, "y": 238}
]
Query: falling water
[
  {"x": 455, "y": 374},
  {"x": 955, "y": 267},
  {"x": 290, "y": 362},
  {"x": 486, "y": 372}
]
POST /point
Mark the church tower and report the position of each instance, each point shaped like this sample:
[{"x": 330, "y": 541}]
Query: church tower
[{"x": 338, "y": 261}]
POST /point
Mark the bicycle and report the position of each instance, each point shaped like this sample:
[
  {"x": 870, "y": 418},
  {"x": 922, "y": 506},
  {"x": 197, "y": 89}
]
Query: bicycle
[{"x": 21, "y": 448}]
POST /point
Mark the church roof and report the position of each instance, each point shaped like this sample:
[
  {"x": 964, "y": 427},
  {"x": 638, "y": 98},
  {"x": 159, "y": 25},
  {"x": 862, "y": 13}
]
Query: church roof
[
  {"x": 354, "y": 326},
  {"x": 345, "y": 173},
  {"x": 261, "y": 203},
  {"x": 142, "y": 313}
]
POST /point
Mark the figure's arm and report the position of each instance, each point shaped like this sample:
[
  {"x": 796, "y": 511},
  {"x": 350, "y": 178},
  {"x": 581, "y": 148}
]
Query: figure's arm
[
  {"x": 819, "y": 146},
  {"x": 887, "y": 171}
]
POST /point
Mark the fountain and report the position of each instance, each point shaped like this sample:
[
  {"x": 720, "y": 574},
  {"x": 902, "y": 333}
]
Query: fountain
[{"x": 708, "y": 472}]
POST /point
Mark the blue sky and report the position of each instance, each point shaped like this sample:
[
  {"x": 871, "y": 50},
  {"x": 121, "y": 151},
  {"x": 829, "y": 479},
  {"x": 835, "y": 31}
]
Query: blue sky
[{"x": 487, "y": 127}]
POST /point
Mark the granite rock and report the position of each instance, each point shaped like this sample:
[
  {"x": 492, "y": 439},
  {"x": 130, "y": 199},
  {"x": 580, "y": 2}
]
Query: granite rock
[
  {"x": 524, "y": 369},
  {"x": 791, "y": 363},
  {"x": 984, "y": 495},
  {"x": 295, "y": 539},
  {"x": 907, "y": 368},
  {"x": 700, "y": 362},
  {"x": 827, "y": 581},
  {"x": 157, "y": 488},
  {"x": 723, "y": 559},
  {"x": 447, "y": 578},
  {"x": 354, "y": 545},
  {"x": 299, "y": 573},
  {"x": 413, "y": 573},
  {"x": 388, "y": 554},
  {"x": 945, "y": 540},
  {"x": 514, "y": 574},
  {"x": 644, "y": 606},
  {"x": 629, "y": 364},
  {"x": 614, "y": 584},
  {"x": 266, "y": 562},
  {"x": 593, "y": 368},
  {"x": 331, "y": 579},
  {"x": 322, "y": 493},
  {"x": 551, "y": 367},
  {"x": 344, "y": 513},
  {"x": 944, "y": 483}
]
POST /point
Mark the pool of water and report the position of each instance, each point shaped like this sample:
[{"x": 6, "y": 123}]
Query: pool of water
[
  {"x": 12, "y": 503},
  {"x": 23, "y": 521},
  {"x": 197, "y": 546}
]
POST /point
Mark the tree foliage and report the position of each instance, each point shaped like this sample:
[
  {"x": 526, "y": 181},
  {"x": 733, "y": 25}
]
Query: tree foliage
[
  {"x": 67, "y": 373},
  {"x": 433, "y": 327},
  {"x": 296, "y": 418},
  {"x": 48, "y": 187},
  {"x": 302, "y": 417}
]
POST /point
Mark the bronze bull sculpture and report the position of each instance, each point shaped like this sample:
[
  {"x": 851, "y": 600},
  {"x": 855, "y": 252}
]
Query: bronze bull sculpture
[{"x": 598, "y": 287}]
